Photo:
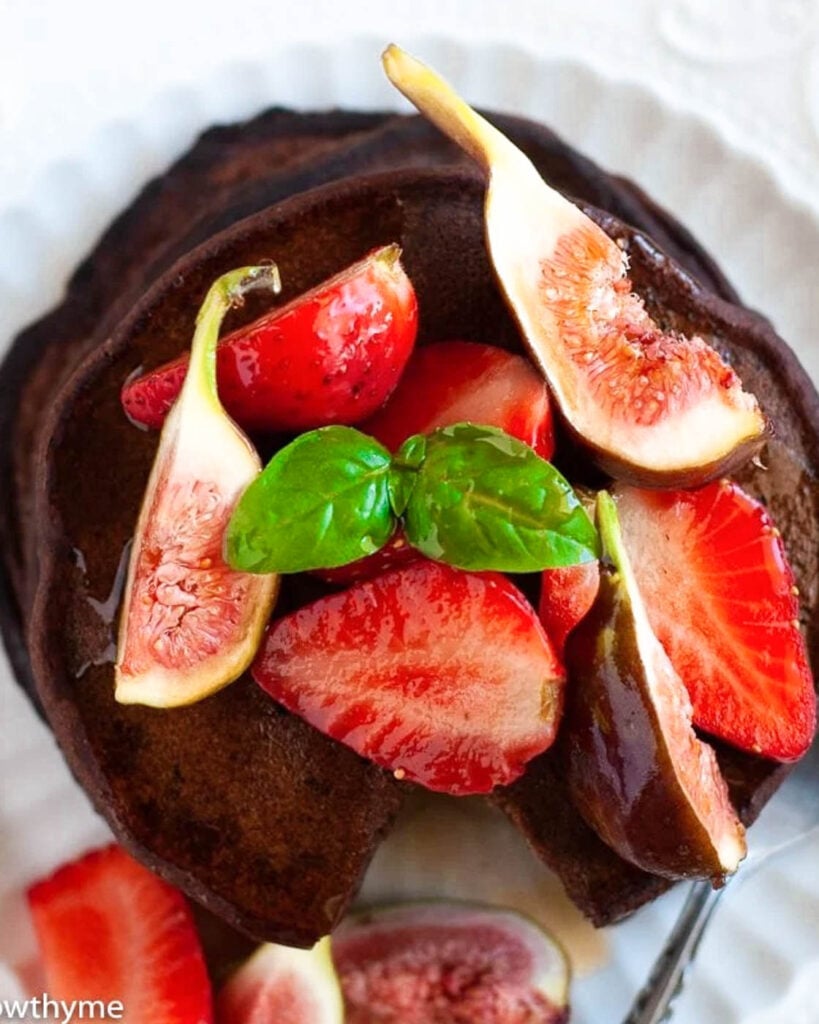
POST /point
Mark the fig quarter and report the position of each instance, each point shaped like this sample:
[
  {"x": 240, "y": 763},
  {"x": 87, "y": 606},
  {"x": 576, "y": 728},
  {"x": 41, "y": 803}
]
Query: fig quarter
[{"x": 637, "y": 771}]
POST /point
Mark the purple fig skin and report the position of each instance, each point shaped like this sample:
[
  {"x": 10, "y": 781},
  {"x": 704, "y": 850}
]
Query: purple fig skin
[
  {"x": 657, "y": 479},
  {"x": 620, "y": 766}
]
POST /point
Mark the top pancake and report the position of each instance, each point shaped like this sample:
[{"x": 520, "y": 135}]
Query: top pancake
[{"x": 245, "y": 807}]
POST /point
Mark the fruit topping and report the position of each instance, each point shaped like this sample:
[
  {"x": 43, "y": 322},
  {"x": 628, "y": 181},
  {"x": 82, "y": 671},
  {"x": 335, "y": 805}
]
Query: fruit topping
[
  {"x": 109, "y": 930},
  {"x": 652, "y": 406},
  {"x": 636, "y": 769},
  {"x": 721, "y": 598},
  {"x": 396, "y": 552},
  {"x": 280, "y": 985},
  {"x": 190, "y": 624},
  {"x": 468, "y": 495},
  {"x": 447, "y": 678},
  {"x": 449, "y": 963},
  {"x": 566, "y": 595},
  {"x": 332, "y": 355},
  {"x": 463, "y": 381}
]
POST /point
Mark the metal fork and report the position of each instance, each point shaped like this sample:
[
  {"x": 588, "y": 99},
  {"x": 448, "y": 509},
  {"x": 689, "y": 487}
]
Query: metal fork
[{"x": 792, "y": 815}]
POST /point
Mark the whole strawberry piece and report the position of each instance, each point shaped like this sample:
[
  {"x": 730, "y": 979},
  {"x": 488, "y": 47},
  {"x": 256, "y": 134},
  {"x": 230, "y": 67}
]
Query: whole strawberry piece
[
  {"x": 332, "y": 355},
  {"x": 463, "y": 381},
  {"x": 720, "y": 594},
  {"x": 110, "y": 930},
  {"x": 396, "y": 552},
  {"x": 445, "y": 677},
  {"x": 566, "y": 595}
]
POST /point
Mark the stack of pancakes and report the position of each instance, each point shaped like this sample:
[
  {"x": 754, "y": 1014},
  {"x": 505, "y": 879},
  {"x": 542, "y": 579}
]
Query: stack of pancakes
[{"x": 245, "y": 807}]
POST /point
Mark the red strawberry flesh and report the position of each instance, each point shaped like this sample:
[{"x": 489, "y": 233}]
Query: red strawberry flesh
[
  {"x": 332, "y": 355},
  {"x": 462, "y": 381},
  {"x": 397, "y": 552},
  {"x": 720, "y": 595},
  {"x": 566, "y": 595},
  {"x": 110, "y": 930},
  {"x": 445, "y": 677}
]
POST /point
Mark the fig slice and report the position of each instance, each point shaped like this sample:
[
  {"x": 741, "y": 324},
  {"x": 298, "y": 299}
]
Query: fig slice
[
  {"x": 636, "y": 769},
  {"x": 653, "y": 407},
  {"x": 280, "y": 985},
  {"x": 449, "y": 962},
  {"x": 190, "y": 624}
]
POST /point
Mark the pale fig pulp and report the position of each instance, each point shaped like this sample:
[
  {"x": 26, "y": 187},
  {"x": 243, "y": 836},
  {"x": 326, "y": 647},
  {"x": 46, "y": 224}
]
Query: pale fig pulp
[
  {"x": 190, "y": 624},
  {"x": 651, "y": 407}
]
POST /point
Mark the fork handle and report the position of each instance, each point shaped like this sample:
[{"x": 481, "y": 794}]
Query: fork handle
[{"x": 654, "y": 1002}]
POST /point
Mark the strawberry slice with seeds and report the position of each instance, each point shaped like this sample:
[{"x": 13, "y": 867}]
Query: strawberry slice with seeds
[
  {"x": 720, "y": 594},
  {"x": 445, "y": 677},
  {"x": 463, "y": 381},
  {"x": 110, "y": 930}
]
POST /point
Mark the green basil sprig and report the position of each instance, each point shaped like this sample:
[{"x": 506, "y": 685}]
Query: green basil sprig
[
  {"x": 322, "y": 501},
  {"x": 468, "y": 495},
  {"x": 484, "y": 500}
]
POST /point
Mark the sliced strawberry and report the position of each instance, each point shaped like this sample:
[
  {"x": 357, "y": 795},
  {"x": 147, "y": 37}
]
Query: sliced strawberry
[
  {"x": 455, "y": 381},
  {"x": 721, "y": 598},
  {"x": 443, "y": 676},
  {"x": 333, "y": 355},
  {"x": 279, "y": 985},
  {"x": 110, "y": 930},
  {"x": 566, "y": 595},
  {"x": 395, "y": 553}
]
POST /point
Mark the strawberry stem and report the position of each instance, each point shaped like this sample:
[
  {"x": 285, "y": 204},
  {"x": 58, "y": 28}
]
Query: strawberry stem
[{"x": 389, "y": 255}]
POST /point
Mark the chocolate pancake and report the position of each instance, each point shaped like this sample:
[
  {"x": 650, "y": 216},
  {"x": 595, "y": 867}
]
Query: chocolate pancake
[{"x": 246, "y": 808}]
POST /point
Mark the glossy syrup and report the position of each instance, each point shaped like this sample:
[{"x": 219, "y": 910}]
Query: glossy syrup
[{"x": 104, "y": 612}]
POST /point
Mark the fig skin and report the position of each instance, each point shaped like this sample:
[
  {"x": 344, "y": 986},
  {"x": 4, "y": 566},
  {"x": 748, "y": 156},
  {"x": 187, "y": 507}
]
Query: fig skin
[
  {"x": 622, "y": 768},
  {"x": 624, "y": 471}
]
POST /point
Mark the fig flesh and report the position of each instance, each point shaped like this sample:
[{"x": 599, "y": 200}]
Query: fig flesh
[
  {"x": 653, "y": 407},
  {"x": 190, "y": 624},
  {"x": 636, "y": 770},
  {"x": 447, "y": 963},
  {"x": 280, "y": 985}
]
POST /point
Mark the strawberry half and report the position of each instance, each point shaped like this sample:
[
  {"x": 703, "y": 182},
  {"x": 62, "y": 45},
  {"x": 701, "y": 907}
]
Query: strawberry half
[
  {"x": 566, "y": 595},
  {"x": 443, "y": 676},
  {"x": 720, "y": 594},
  {"x": 463, "y": 381},
  {"x": 332, "y": 355},
  {"x": 110, "y": 930}
]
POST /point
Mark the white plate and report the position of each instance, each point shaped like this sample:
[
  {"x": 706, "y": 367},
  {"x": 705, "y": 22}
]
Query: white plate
[{"x": 760, "y": 960}]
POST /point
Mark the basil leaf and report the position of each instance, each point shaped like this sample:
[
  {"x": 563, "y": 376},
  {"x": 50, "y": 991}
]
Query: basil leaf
[
  {"x": 401, "y": 483},
  {"x": 321, "y": 502},
  {"x": 484, "y": 500},
  {"x": 404, "y": 470}
]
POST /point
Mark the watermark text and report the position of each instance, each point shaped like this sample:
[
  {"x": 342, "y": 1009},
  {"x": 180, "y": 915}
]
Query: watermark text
[{"x": 60, "y": 1011}]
